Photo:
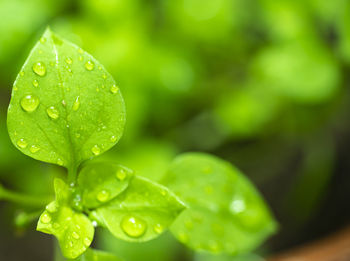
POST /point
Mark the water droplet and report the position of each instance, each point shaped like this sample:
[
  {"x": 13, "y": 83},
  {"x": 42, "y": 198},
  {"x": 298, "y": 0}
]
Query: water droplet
[
  {"x": 76, "y": 104},
  {"x": 64, "y": 103},
  {"x": 87, "y": 241},
  {"x": 104, "y": 76},
  {"x": 75, "y": 235},
  {"x": 77, "y": 226},
  {"x": 52, "y": 207},
  {"x": 21, "y": 73},
  {"x": 89, "y": 65},
  {"x": 96, "y": 150},
  {"x": 71, "y": 243},
  {"x": 29, "y": 103},
  {"x": 114, "y": 89},
  {"x": 22, "y": 143},
  {"x": 69, "y": 60},
  {"x": 60, "y": 162},
  {"x": 94, "y": 223},
  {"x": 121, "y": 174},
  {"x": 237, "y": 206},
  {"x": 53, "y": 112},
  {"x": 81, "y": 51},
  {"x": 113, "y": 138},
  {"x": 45, "y": 218},
  {"x": 158, "y": 228},
  {"x": 15, "y": 88},
  {"x": 133, "y": 226},
  {"x": 103, "y": 196},
  {"x": 42, "y": 40},
  {"x": 81, "y": 58},
  {"x": 163, "y": 192},
  {"x": 34, "y": 149},
  {"x": 97, "y": 89},
  {"x": 35, "y": 83},
  {"x": 39, "y": 68}
]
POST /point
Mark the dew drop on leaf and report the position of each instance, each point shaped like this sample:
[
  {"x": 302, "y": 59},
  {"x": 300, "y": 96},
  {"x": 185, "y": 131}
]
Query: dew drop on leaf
[
  {"x": 22, "y": 143},
  {"x": 96, "y": 150},
  {"x": 60, "y": 162},
  {"x": 39, "y": 68},
  {"x": 21, "y": 73},
  {"x": 104, "y": 76},
  {"x": 87, "y": 241},
  {"x": 114, "y": 89},
  {"x": 42, "y": 40},
  {"x": 29, "y": 103},
  {"x": 121, "y": 174},
  {"x": 133, "y": 226},
  {"x": 89, "y": 65},
  {"x": 113, "y": 138},
  {"x": 103, "y": 196},
  {"x": 34, "y": 149},
  {"x": 69, "y": 60},
  {"x": 158, "y": 228},
  {"x": 45, "y": 218},
  {"x": 35, "y": 83},
  {"x": 75, "y": 235},
  {"x": 53, "y": 112},
  {"x": 76, "y": 104}
]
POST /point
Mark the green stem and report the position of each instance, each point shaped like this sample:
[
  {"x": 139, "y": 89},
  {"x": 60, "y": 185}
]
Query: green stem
[
  {"x": 72, "y": 175},
  {"x": 22, "y": 199}
]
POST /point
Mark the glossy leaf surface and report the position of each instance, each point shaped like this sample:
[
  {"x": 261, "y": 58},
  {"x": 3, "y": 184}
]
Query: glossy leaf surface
[
  {"x": 101, "y": 182},
  {"x": 65, "y": 106},
  {"x": 225, "y": 214},
  {"x": 142, "y": 212}
]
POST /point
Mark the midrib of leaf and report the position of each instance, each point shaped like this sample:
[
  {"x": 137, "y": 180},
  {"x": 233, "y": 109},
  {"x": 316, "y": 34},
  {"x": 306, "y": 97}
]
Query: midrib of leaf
[{"x": 72, "y": 167}]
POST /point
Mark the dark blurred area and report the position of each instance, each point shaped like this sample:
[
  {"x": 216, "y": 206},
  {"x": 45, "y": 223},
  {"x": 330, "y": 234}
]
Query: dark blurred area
[{"x": 263, "y": 84}]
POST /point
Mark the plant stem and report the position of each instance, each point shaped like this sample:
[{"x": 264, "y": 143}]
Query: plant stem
[
  {"x": 72, "y": 175},
  {"x": 22, "y": 199}
]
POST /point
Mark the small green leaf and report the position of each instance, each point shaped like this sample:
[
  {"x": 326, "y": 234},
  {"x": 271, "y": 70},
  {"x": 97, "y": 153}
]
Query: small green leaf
[
  {"x": 73, "y": 230},
  {"x": 226, "y": 214},
  {"x": 101, "y": 182},
  {"x": 97, "y": 255},
  {"x": 65, "y": 106},
  {"x": 142, "y": 212}
]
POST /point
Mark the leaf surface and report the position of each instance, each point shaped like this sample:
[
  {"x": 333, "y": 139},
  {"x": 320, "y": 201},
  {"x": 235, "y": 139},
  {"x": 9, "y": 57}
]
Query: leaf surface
[
  {"x": 101, "y": 182},
  {"x": 226, "y": 214},
  {"x": 73, "y": 230},
  {"x": 142, "y": 212},
  {"x": 97, "y": 255},
  {"x": 65, "y": 107}
]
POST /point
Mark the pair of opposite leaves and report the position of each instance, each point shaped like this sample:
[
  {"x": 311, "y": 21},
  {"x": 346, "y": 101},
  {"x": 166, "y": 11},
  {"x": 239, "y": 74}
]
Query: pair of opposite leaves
[{"x": 66, "y": 108}]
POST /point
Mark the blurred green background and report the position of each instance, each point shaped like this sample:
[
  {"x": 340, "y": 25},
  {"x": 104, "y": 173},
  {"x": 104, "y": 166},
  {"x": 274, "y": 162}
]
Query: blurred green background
[{"x": 263, "y": 84}]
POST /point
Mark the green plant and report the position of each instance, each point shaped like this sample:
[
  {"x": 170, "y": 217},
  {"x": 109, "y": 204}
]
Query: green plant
[{"x": 66, "y": 109}]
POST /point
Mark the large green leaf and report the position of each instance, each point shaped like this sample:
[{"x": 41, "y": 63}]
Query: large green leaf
[
  {"x": 142, "y": 212},
  {"x": 73, "y": 230},
  {"x": 226, "y": 214},
  {"x": 101, "y": 182},
  {"x": 65, "y": 106}
]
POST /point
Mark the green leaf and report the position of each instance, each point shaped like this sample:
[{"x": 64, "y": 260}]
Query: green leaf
[
  {"x": 101, "y": 182},
  {"x": 142, "y": 212},
  {"x": 97, "y": 255},
  {"x": 65, "y": 106},
  {"x": 73, "y": 230},
  {"x": 226, "y": 214}
]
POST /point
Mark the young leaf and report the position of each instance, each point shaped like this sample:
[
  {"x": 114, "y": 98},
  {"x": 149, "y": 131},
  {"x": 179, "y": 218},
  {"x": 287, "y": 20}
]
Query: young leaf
[
  {"x": 101, "y": 182},
  {"x": 73, "y": 230},
  {"x": 97, "y": 255},
  {"x": 142, "y": 212},
  {"x": 226, "y": 214},
  {"x": 65, "y": 106}
]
